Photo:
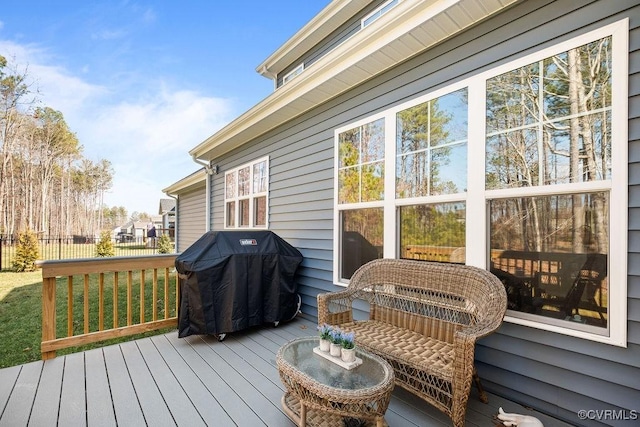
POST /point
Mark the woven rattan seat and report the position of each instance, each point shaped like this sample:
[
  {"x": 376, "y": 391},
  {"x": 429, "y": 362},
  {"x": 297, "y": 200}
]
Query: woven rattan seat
[
  {"x": 425, "y": 353},
  {"x": 424, "y": 318}
]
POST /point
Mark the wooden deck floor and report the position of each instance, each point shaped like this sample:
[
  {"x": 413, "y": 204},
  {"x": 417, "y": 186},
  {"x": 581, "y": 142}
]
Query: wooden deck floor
[{"x": 169, "y": 381}]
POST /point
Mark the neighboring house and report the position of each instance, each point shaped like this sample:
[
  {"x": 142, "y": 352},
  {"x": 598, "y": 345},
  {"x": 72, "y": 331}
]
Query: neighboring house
[
  {"x": 501, "y": 134},
  {"x": 136, "y": 229},
  {"x": 190, "y": 208},
  {"x": 167, "y": 210}
]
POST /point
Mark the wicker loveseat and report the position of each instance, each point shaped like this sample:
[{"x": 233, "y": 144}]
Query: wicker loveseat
[{"x": 424, "y": 319}]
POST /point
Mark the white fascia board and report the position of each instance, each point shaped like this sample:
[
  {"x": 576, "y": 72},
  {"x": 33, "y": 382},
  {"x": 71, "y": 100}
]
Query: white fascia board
[
  {"x": 324, "y": 23},
  {"x": 334, "y": 73}
]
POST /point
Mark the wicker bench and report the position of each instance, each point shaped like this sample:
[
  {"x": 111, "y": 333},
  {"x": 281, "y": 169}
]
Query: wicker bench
[{"x": 424, "y": 319}]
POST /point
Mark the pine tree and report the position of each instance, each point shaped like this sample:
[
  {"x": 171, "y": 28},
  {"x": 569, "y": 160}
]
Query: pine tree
[
  {"x": 105, "y": 248},
  {"x": 164, "y": 244},
  {"x": 27, "y": 252}
]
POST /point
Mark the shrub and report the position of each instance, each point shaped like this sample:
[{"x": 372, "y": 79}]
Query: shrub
[
  {"x": 27, "y": 252},
  {"x": 105, "y": 248},
  {"x": 164, "y": 244}
]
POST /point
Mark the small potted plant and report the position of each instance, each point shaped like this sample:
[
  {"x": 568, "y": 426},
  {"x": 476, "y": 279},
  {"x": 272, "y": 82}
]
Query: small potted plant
[
  {"x": 325, "y": 336},
  {"x": 335, "y": 348},
  {"x": 348, "y": 343}
]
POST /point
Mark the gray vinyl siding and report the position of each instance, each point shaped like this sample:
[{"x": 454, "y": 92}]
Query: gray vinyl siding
[
  {"x": 191, "y": 224},
  {"x": 345, "y": 31},
  {"x": 553, "y": 373}
]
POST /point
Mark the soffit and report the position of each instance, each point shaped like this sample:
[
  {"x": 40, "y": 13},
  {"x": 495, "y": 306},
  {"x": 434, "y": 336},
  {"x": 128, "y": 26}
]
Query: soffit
[{"x": 406, "y": 30}]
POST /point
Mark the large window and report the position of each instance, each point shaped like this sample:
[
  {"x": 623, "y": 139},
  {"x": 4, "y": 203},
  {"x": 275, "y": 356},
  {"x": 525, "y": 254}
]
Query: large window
[
  {"x": 521, "y": 170},
  {"x": 246, "y": 195},
  {"x": 549, "y": 126},
  {"x": 360, "y": 183}
]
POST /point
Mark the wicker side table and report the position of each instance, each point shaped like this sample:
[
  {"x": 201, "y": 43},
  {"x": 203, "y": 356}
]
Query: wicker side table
[{"x": 322, "y": 393}]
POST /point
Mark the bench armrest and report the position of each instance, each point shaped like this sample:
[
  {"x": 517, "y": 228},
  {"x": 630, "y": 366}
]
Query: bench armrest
[{"x": 335, "y": 308}]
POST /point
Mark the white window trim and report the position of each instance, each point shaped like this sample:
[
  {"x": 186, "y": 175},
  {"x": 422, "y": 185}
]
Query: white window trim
[
  {"x": 292, "y": 74},
  {"x": 251, "y": 197},
  {"x": 477, "y": 195},
  {"x": 379, "y": 9}
]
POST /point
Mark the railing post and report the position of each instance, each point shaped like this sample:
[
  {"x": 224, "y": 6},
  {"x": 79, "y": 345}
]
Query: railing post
[{"x": 48, "y": 314}]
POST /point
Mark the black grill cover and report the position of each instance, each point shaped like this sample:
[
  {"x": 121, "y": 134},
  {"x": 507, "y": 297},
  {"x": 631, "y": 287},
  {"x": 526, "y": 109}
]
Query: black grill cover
[{"x": 233, "y": 280}]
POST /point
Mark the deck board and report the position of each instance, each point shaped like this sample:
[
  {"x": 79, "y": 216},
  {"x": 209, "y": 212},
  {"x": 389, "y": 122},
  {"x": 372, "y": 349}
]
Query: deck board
[
  {"x": 18, "y": 406},
  {"x": 125, "y": 402},
  {"x": 169, "y": 381},
  {"x": 152, "y": 402},
  {"x": 179, "y": 404},
  {"x": 236, "y": 408},
  {"x": 268, "y": 411},
  {"x": 48, "y": 395},
  {"x": 99, "y": 410},
  {"x": 211, "y": 412}
]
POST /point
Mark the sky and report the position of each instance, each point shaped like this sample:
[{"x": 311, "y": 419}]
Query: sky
[{"x": 140, "y": 82}]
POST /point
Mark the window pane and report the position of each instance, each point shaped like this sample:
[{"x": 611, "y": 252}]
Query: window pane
[
  {"x": 373, "y": 182},
  {"x": 512, "y": 99},
  {"x": 349, "y": 148},
  {"x": 349, "y": 185},
  {"x": 244, "y": 181},
  {"x": 361, "y": 163},
  {"x": 448, "y": 169},
  {"x": 243, "y": 205},
  {"x": 412, "y": 175},
  {"x": 231, "y": 214},
  {"x": 260, "y": 211},
  {"x": 372, "y": 142},
  {"x": 550, "y": 122},
  {"x": 432, "y": 147},
  {"x": 512, "y": 159},
  {"x": 433, "y": 232},
  {"x": 260, "y": 177},
  {"x": 362, "y": 234},
  {"x": 591, "y": 160},
  {"x": 551, "y": 252},
  {"x": 230, "y": 185}
]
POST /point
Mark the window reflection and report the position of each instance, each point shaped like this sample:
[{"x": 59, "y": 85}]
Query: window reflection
[
  {"x": 362, "y": 239},
  {"x": 361, "y": 163},
  {"x": 552, "y": 255},
  {"x": 433, "y": 232},
  {"x": 432, "y": 147},
  {"x": 550, "y": 122}
]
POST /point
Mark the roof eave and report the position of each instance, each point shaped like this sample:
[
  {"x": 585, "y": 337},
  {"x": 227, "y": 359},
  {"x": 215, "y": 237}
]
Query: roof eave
[
  {"x": 324, "y": 23},
  {"x": 365, "y": 55},
  {"x": 191, "y": 181}
]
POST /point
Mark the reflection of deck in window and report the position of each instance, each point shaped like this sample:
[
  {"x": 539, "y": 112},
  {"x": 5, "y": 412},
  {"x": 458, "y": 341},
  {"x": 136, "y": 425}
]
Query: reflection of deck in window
[{"x": 565, "y": 286}]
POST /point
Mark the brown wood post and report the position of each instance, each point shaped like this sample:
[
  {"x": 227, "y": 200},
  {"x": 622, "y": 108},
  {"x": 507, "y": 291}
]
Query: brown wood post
[{"x": 48, "y": 314}]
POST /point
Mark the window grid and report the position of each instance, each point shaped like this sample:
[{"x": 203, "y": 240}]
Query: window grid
[
  {"x": 246, "y": 195},
  {"x": 476, "y": 203}
]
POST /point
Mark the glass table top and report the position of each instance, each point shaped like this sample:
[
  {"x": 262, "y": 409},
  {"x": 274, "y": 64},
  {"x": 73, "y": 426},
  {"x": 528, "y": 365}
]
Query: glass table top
[{"x": 299, "y": 354}]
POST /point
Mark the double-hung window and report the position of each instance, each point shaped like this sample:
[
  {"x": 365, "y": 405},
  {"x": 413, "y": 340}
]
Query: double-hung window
[
  {"x": 246, "y": 195},
  {"x": 521, "y": 170}
]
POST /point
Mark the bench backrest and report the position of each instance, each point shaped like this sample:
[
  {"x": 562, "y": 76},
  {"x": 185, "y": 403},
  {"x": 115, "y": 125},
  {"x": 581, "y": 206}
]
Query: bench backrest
[{"x": 433, "y": 299}]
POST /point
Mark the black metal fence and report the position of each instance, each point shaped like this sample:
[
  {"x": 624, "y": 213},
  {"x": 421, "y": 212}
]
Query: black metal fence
[{"x": 70, "y": 247}]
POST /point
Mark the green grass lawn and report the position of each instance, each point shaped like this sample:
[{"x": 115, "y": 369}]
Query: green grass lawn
[{"x": 21, "y": 312}]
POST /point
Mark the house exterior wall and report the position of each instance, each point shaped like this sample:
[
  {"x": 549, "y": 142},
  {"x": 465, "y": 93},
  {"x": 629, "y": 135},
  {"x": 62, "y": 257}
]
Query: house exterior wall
[
  {"x": 191, "y": 210},
  {"x": 554, "y": 373}
]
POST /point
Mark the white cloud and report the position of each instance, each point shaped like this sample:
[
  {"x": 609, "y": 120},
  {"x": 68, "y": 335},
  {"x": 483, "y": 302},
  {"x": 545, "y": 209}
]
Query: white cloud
[
  {"x": 150, "y": 140},
  {"x": 146, "y": 138}
]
